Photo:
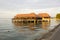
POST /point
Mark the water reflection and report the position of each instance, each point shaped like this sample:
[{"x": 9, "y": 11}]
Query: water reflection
[
  {"x": 57, "y": 20},
  {"x": 32, "y": 26},
  {"x": 45, "y": 25}
]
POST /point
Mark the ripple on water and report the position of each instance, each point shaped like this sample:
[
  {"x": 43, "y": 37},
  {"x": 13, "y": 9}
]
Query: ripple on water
[{"x": 9, "y": 32}]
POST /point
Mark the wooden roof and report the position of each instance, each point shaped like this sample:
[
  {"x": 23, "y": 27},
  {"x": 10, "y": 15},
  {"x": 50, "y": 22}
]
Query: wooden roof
[
  {"x": 43, "y": 15},
  {"x": 26, "y": 15}
]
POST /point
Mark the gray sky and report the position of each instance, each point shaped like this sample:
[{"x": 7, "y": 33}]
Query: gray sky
[{"x": 9, "y": 8}]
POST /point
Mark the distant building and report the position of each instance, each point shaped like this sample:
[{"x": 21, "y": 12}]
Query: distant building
[
  {"x": 32, "y": 17},
  {"x": 44, "y": 16}
]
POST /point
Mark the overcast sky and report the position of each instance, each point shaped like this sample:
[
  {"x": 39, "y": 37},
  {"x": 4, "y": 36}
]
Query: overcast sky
[{"x": 9, "y": 8}]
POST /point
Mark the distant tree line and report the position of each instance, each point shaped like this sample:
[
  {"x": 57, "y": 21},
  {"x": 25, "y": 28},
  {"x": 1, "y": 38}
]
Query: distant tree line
[{"x": 58, "y": 16}]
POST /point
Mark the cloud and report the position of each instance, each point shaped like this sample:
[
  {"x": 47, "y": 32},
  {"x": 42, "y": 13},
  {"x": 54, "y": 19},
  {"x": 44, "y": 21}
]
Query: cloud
[
  {"x": 32, "y": 4},
  {"x": 8, "y": 8}
]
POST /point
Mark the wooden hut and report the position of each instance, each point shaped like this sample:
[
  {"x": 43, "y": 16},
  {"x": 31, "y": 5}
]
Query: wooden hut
[
  {"x": 31, "y": 17},
  {"x": 44, "y": 16}
]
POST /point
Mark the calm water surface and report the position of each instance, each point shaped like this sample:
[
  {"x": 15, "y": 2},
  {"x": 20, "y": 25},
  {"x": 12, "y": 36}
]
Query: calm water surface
[{"x": 20, "y": 31}]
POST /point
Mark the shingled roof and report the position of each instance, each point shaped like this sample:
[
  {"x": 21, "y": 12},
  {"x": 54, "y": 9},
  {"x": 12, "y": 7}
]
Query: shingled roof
[
  {"x": 25, "y": 15},
  {"x": 43, "y": 15}
]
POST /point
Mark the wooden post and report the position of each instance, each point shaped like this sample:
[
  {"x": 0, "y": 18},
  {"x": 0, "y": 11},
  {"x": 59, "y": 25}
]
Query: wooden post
[{"x": 34, "y": 21}]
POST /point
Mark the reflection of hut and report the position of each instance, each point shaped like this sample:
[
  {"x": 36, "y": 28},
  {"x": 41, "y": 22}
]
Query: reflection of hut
[
  {"x": 44, "y": 16},
  {"x": 45, "y": 25}
]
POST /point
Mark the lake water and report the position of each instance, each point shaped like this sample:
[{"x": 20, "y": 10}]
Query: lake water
[{"x": 19, "y": 31}]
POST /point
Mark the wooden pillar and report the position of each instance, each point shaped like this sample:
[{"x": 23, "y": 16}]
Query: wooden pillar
[
  {"x": 34, "y": 21},
  {"x": 38, "y": 21}
]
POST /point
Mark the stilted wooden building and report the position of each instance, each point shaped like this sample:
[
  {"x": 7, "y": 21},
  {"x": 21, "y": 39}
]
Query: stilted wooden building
[
  {"x": 44, "y": 16},
  {"x": 32, "y": 17}
]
